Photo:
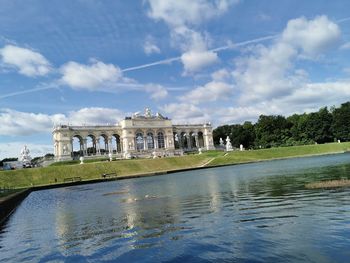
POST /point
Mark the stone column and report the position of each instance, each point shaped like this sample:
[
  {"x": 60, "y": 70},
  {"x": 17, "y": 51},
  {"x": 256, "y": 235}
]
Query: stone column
[
  {"x": 85, "y": 146},
  {"x": 70, "y": 146},
  {"x": 196, "y": 140},
  {"x": 145, "y": 145},
  {"x": 165, "y": 141},
  {"x": 121, "y": 146},
  {"x": 188, "y": 137},
  {"x": 110, "y": 146},
  {"x": 98, "y": 152},
  {"x": 155, "y": 142},
  {"x": 81, "y": 150}
]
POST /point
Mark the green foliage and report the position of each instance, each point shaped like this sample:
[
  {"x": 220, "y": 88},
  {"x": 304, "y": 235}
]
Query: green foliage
[
  {"x": 299, "y": 129},
  {"x": 7, "y": 160},
  {"x": 341, "y": 122}
]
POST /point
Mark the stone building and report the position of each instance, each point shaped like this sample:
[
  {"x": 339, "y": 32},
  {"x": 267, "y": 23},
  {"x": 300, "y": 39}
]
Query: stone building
[{"x": 136, "y": 136}]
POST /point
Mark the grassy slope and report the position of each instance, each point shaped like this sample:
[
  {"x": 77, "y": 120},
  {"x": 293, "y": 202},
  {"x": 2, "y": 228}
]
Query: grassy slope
[
  {"x": 282, "y": 152},
  {"x": 42, "y": 176}
]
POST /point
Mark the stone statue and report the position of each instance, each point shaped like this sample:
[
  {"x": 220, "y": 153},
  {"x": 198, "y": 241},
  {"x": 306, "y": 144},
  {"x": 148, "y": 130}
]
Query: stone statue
[
  {"x": 228, "y": 144},
  {"x": 136, "y": 114},
  {"x": 25, "y": 157},
  {"x": 65, "y": 149},
  {"x": 159, "y": 116},
  {"x": 241, "y": 148},
  {"x": 81, "y": 159},
  {"x": 221, "y": 142},
  {"x": 176, "y": 137},
  {"x": 148, "y": 113}
]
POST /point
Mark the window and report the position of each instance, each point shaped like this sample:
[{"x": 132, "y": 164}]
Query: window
[
  {"x": 161, "y": 140},
  {"x": 139, "y": 141},
  {"x": 150, "y": 141}
]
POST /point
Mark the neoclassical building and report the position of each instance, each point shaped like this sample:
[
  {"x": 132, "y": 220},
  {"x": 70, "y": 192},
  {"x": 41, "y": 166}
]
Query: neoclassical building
[{"x": 137, "y": 136}]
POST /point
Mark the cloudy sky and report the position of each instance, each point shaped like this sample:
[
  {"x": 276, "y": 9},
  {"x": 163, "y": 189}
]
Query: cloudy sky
[{"x": 223, "y": 61}]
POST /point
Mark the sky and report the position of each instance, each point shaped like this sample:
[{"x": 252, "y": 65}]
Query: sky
[{"x": 220, "y": 61}]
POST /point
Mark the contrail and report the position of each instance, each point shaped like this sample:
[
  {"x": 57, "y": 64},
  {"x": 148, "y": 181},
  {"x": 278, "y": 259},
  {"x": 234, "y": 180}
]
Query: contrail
[
  {"x": 345, "y": 19},
  {"x": 230, "y": 46},
  {"x": 160, "y": 62},
  {"x": 26, "y": 91}
]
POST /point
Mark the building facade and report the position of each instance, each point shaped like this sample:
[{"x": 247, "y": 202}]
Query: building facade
[{"x": 137, "y": 136}]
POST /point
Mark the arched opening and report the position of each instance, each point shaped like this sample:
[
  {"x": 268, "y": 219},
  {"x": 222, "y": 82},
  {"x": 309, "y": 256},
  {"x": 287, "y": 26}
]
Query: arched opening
[
  {"x": 77, "y": 147},
  {"x": 139, "y": 141},
  {"x": 176, "y": 141},
  {"x": 200, "y": 139},
  {"x": 150, "y": 141},
  {"x": 116, "y": 145},
  {"x": 192, "y": 142},
  {"x": 103, "y": 143},
  {"x": 161, "y": 143},
  {"x": 91, "y": 144}
]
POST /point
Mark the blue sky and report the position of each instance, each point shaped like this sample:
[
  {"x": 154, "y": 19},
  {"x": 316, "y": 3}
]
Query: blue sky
[{"x": 223, "y": 61}]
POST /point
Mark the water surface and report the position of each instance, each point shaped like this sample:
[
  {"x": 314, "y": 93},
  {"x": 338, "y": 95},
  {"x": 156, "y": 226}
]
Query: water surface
[{"x": 246, "y": 213}]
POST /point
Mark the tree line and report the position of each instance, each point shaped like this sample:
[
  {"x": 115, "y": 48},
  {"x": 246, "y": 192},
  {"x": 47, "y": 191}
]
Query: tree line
[{"x": 325, "y": 125}]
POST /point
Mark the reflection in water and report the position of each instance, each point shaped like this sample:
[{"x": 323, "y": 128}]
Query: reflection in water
[{"x": 257, "y": 213}]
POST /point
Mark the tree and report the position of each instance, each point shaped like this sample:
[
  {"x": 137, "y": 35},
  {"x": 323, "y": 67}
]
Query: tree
[
  {"x": 7, "y": 160},
  {"x": 271, "y": 131},
  {"x": 221, "y": 132},
  {"x": 318, "y": 126},
  {"x": 341, "y": 122}
]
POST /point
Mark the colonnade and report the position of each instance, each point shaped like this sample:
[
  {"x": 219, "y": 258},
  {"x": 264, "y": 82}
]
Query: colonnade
[{"x": 134, "y": 137}]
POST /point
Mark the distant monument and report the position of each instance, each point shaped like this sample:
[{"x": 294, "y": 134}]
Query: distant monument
[
  {"x": 241, "y": 148},
  {"x": 25, "y": 158},
  {"x": 221, "y": 142},
  {"x": 228, "y": 144}
]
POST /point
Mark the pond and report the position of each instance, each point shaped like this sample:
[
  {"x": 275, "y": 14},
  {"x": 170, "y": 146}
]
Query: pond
[{"x": 257, "y": 212}]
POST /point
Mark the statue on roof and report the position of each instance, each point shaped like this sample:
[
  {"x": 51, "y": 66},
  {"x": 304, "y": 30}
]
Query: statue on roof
[{"x": 148, "y": 113}]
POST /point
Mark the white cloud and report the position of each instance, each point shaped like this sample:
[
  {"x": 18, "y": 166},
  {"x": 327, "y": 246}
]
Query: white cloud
[
  {"x": 193, "y": 61},
  {"x": 312, "y": 36},
  {"x": 345, "y": 46},
  {"x": 16, "y": 123},
  {"x": 26, "y": 61},
  {"x": 269, "y": 71},
  {"x": 309, "y": 98},
  {"x": 185, "y": 113},
  {"x": 157, "y": 91},
  {"x": 221, "y": 75},
  {"x": 212, "y": 91},
  {"x": 150, "y": 47},
  {"x": 95, "y": 115},
  {"x": 269, "y": 82},
  {"x": 180, "y": 16},
  {"x": 181, "y": 12},
  {"x": 97, "y": 76},
  {"x": 13, "y": 149},
  {"x": 23, "y": 123}
]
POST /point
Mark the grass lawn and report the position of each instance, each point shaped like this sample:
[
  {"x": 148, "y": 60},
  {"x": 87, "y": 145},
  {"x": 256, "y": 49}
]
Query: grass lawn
[
  {"x": 93, "y": 170},
  {"x": 280, "y": 152}
]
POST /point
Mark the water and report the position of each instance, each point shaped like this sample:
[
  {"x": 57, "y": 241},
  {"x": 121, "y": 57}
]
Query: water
[{"x": 247, "y": 213}]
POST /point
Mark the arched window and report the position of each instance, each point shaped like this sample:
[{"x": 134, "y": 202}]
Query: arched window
[
  {"x": 139, "y": 141},
  {"x": 161, "y": 140},
  {"x": 150, "y": 141}
]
